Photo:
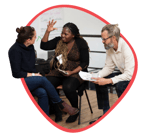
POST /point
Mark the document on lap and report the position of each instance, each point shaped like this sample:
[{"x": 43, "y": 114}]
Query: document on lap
[
  {"x": 62, "y": 71},
  {"x": 87, "y": 76}
]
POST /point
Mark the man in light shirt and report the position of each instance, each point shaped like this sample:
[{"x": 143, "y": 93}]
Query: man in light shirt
[{"x": 118, "y": 54}]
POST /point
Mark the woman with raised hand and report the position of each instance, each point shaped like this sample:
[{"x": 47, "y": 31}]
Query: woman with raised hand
[
  {"x": 22, "y": 60},
  {"x": 71, "y": 56}
]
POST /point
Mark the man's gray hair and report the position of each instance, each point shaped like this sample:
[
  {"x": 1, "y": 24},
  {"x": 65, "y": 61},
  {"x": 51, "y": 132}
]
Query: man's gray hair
[{"x": 113, "y": 30}]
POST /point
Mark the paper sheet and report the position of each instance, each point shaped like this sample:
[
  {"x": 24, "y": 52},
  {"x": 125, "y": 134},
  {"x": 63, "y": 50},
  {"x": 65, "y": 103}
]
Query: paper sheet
[
  {"x": 63, "y": 71},
  {"x": 86, "y": 76},
  {"x": 59, "y": 58}
]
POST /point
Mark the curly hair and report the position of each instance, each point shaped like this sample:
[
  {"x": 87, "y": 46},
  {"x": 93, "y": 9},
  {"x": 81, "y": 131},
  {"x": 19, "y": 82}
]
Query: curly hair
[{"x": 62, "y": 48}]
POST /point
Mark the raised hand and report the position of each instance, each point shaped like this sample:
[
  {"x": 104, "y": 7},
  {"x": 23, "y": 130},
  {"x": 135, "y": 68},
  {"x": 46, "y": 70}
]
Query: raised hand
[{"x": 50, "y": 26}]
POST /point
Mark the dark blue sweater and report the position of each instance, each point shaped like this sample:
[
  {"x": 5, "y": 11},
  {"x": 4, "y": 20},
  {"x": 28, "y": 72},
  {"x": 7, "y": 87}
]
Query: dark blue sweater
[{"x": 22, "y": 60}]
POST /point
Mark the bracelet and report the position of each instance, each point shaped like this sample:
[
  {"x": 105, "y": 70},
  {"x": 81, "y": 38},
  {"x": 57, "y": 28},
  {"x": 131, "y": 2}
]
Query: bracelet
[{"x": 33, "y": 74}]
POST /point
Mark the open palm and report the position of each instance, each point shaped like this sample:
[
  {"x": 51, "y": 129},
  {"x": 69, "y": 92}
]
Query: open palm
[{"x": 50, "y": 26}]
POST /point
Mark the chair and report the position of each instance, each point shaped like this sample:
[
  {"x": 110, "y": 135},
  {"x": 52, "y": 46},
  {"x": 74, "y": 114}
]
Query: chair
[{"x": 81, "y": 89}]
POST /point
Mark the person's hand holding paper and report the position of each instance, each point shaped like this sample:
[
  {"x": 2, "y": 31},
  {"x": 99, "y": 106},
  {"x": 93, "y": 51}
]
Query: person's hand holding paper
[{"x": 87, "y": 76}]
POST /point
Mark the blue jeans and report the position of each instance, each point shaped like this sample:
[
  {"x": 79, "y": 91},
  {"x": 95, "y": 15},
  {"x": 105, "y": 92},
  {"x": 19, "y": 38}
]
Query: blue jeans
[{"x": 42, "y": 88}]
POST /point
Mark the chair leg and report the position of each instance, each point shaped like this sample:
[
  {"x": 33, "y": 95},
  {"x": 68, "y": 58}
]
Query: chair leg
[
  {"x": 58, "y": 90},
  {"x": 88, "y": 101},
  {"x": 79, "y": 111},
  {"x": 111, "y": 89}
]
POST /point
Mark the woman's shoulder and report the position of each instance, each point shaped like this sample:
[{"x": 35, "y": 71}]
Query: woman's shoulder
[
  {"x": 81, "y": 43},
  {"x": 57, "y": 38},
  {"x": 80, "y": 39},
  {"x": 19, "y": 47},
  {"x": 14, "y": 47},
  {"x": 14, "y": 50}
]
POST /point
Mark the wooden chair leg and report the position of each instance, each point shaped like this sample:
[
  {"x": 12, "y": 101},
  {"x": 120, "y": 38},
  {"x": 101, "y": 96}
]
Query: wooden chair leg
[{"x": 88, "y": 101}]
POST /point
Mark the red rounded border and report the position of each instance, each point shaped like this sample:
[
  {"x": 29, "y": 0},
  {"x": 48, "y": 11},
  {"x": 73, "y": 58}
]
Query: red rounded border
[{"x": 114, "y": 105}]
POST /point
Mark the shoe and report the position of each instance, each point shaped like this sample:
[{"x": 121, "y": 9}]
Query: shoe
[
  {"x": 99, "y": 117},
  {"x": 72, "y": 118},
  {"x": 58, "y": 113},
  {"x": 58, "y": 117},
  {"x": 94, "y": 120},
  {"x": 67, "y": 108}
]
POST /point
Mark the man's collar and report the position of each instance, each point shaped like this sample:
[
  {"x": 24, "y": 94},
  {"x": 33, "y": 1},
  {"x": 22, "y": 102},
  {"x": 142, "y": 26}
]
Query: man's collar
[{"x": 119, "y": 46}]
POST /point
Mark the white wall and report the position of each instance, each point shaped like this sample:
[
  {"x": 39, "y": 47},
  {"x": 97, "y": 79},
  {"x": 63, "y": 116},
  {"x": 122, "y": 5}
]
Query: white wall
[
  {"x": 40, "y": 25},
  {"x": 87, "y": 24}
]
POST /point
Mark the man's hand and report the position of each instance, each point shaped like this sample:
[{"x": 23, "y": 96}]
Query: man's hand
[{"x": 102, "y": 81}]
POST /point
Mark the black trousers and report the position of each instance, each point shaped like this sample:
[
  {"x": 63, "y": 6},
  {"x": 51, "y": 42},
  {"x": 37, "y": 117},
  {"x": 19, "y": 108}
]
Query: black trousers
[
  {"x": 70, "y": 85},
  {"x": 102, "y": 91}
]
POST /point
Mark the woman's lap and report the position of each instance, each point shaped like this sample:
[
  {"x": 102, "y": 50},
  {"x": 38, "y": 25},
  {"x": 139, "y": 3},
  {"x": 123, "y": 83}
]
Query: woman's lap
[
  {"x": 34, "y": 82},
  {"x": 67, "y": 82},
  {"x": 39, "y": 92},
  {"x": 70, "y": 85},
  {"x": 55, "y": 81}
]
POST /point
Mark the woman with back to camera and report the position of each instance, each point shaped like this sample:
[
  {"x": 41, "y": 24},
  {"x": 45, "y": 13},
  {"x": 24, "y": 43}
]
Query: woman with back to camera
[
  {"x": 75, "y": 57},
  {"x": 22, "y": 60}
]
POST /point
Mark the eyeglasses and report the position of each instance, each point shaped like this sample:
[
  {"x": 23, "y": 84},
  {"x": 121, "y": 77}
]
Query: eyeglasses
[{"x": 104, "y": 39}]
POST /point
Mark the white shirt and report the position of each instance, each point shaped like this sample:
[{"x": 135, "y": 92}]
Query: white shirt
[{"x": 122, "y": 58}]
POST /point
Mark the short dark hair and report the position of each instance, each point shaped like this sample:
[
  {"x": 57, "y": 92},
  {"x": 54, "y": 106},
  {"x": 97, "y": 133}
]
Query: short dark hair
[{"x": 24, "y": 33}]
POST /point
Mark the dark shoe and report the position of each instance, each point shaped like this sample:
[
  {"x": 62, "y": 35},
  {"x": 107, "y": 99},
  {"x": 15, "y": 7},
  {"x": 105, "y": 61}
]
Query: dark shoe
[
  {"x": 58, "y": 113},
  {"x": 51, "y": 110},
  {"x": 99, "y": 117},
  {"x": 67, "y": 108},
  {"x": 72, "y": 118},
  {"x": 58, "y": 117},
  {"x": 94, "y": 120}
]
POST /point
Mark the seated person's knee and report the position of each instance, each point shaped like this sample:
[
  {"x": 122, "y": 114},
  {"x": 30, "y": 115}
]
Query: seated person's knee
[
  {"x": 68, "y": 88},
  {"x": 40, "y": 92}
]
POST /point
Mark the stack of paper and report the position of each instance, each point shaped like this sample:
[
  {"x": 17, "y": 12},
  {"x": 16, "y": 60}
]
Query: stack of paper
[{"x": 86, "y": 76}]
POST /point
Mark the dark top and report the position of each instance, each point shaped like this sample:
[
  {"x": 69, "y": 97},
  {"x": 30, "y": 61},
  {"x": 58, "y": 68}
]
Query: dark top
[
  {"x": 77, "y": 56},
  {"x": 82, "y": 47},
  {"x": 22, "y": 60}
]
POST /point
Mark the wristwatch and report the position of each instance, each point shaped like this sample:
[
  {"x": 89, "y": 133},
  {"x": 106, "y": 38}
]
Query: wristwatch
[{"x": 33, "y": 74}]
